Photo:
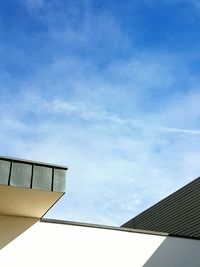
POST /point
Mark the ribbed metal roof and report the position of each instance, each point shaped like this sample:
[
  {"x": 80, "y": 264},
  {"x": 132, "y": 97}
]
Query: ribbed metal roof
[{"x": 177, "y": 214}]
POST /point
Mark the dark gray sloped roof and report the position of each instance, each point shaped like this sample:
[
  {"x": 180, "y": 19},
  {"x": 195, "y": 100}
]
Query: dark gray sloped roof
[{"x": 177, "y": 214}]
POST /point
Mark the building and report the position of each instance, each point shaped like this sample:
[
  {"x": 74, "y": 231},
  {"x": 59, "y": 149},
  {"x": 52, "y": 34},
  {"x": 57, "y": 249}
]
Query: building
[
  {"x": 29, "y": 189},
  {"x": 177, "y": 214}
]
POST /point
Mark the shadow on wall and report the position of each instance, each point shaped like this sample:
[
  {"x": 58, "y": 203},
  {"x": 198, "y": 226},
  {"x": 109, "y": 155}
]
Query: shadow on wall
[
  {"x": 11, "y": 227},
  {"x": 176, "y": 252}
]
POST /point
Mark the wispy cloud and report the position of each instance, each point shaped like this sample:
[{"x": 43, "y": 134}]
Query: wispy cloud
[
  {"x": 176, "y": 130},
  {"x": 195, "y": 3},
  {"x": 125, "y": 120},
  {"x": 82, "y": 111},
  {"x": 103, "y": 147},
  {"x": 33, "y": 4}
]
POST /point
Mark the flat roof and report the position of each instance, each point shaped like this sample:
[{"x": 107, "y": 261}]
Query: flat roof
[
  {"x": 29, "y": 188},
  {"x": 32, "y": 174},
  {"x": 34, "y": 162}
]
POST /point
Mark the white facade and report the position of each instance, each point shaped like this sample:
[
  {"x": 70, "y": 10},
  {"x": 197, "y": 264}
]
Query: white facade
[
  {"x": 26, "y": 241},
  {"x": 53, "y": 244}
]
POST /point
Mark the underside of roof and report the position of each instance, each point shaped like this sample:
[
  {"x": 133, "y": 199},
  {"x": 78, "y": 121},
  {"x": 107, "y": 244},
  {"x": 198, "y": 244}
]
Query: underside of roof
[{"x": 29, "y": 188}]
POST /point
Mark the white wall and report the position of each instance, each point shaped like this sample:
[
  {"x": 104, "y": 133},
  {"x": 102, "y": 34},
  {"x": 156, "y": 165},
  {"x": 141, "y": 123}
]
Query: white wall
[{"x": 48, "y": 244}]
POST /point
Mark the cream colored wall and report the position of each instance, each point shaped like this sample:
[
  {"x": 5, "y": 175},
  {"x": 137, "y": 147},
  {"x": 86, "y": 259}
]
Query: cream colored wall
[
  {"x": 49, "y": 244},
  {"x": 26, "y": 202},
  {"x": 11, "y": 227}
]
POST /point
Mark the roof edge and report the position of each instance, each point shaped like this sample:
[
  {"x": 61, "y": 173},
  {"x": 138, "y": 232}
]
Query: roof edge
[
  {"x": 33, "y": 162},
  {"x": 100, "y": 226},
  {"x": 116, "y": 228}
]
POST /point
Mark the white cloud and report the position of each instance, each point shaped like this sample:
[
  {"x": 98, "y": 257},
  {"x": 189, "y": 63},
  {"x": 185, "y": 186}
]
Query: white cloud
[
  {"x": 33, "y": 4},
  {"x": 195, "y": 3},
  {"x": 116, "y": 164},
  {"x": 122, "y": 128},
  {"x": 83, "y": 111}
]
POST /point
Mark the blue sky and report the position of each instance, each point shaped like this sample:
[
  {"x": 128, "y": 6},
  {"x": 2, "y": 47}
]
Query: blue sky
[{"x": 109, "y": 88}]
